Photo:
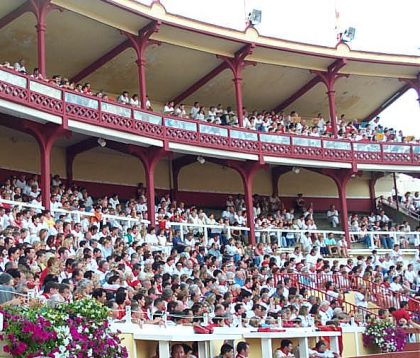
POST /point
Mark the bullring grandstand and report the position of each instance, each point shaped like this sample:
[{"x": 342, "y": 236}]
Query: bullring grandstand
[{"x": 206, "y": 189}]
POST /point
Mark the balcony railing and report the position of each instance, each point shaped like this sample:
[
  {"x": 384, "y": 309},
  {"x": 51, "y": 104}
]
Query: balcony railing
[{"x": 72, "y": 105}]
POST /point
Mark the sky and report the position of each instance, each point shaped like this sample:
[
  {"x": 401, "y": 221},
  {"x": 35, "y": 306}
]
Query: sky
[{"x": 386, "y": 26}]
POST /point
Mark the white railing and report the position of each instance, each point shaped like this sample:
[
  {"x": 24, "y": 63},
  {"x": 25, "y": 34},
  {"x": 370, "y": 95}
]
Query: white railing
[
  {"x": 203, "y": 228},
  {"x": 280, "y": 231},
  {"x": 394, "y": 235},
  {"x": 77, "y": 215},
  {"x": 185, "y": 227},
  {"x": 22, "y": 204}
]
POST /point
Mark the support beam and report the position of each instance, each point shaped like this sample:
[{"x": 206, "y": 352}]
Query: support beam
[
  {"x": 177, "y": 165},
  {"x": 75, "y": 149},
  {"x": 46, "y": 135},
  {"x": 150, "y": 157},
  {"x": 247, "y": 170},
  {"x": 139, "y": 43},
  {"x": 390, "y": 100},
  {"x": 341, "y": 177},
  {"x": 299, "y": 93},
  {"x": 236, "y": 64},
  {"x": 101, "y": 61},
  {"x": 200, "y": 83},
  {"x": 41, "y": 9},
  {"x": 329, "y": 78},
  {"x": 12, "y": 16},
  {"x": 372, "y": 193},
  {"x": 414, "y": 84}
]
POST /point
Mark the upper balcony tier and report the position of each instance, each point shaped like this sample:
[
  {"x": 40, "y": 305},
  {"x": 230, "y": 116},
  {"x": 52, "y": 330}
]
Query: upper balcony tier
[
  {"x": 24, "y": 97},
  {"x": 186, "y": 60}
]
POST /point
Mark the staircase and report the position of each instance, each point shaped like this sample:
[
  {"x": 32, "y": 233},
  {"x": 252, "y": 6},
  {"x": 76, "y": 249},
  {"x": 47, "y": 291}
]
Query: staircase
[
  {"x": 378, "y": 296},
  {"x": 315, "y": 284},
  {"x": 401, "y": 215}
]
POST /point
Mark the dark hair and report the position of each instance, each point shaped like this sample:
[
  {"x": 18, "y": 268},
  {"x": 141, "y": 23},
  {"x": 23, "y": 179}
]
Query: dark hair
[
  {"x": 285, "y": 343},
  {"x": 226, "y": 348},
  {"x": 241, "y": 346}
]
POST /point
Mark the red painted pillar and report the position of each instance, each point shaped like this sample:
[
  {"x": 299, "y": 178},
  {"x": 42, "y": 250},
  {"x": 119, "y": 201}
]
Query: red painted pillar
[
  {"x": 250, "y": 220},
  {"x": 150, "y": 158},
  {"x": 341, "y": 186},
  {"x": 238, "y": 95},
  {"x": 236, "y": 64},
  {"x": 329, "y": 78},
  {"x": 247, "y": 171},
  {"x": 139, "y": 43},
  {"x": 141, "y": 63},
  {"x": 46, "y": 135},
  {"x": 341, "y": 178},
  {"x": 333, "y": 111},
  {"x": 372, "y": 193},
  {"x": 41, "y": 8}
]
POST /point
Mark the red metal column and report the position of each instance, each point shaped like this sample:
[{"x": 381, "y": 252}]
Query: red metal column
[
  {"x": 139, "y": 44},
  {"x": 341, "y": 178},
  {"x": 150, "y": 158},
  {"x": 328, "y": 78},
  {"x": 341, "y": 186},
  {"x": 372, "y": 194},
  {"x": 247, "y": 171},
  {"x": 41, "y": 8},
  {"x": 46, "y": 135},
  {"x": 236, "y": 64}
]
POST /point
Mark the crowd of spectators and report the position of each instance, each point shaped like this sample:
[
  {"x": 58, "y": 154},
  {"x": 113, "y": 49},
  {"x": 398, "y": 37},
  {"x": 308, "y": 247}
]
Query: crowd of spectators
[
  {"x": 293, "y": 123},
  {"x": 409, "y": 202},
  {"x": 378, "y": 230},
  {"x": 263, "y": 121},
  {"x": 115, "y": 262},
  {"x": 170, "y": 275}
]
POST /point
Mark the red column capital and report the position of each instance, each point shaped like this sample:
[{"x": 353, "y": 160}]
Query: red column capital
[
  {"x": 236, "y": 64},
  {"x": 41, "y": 8},
  {"x": 247, "y": 171},
  {"x": 329, "y": 77},
  {"x": 46, "y": 135},
  {"x": 414, "y": 84},
  {"x": 150, "y": 157},
  {"x": 341, "y": 177},
  {"x": 139, "y": 43}
]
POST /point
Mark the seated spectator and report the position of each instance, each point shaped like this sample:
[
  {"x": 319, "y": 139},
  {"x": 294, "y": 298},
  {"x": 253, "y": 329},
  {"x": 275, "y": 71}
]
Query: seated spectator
[
  {"x": 321, "y": 351},
  {"x": 124, "y": 98},
  {"x": 20, "y": 66},
  {"x": 333, "y": 217},
  {"x": 285, "y": 350}
]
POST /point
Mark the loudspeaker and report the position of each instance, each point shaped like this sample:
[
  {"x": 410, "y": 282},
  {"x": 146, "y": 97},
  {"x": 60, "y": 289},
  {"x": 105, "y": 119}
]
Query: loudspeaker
[
  {"x": 255, "y": 17},
  {"x": 348, "y": 34}
]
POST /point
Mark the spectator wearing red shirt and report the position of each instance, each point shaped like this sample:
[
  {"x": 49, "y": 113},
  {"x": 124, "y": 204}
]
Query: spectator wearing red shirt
[{"x": 403, "y": 313}]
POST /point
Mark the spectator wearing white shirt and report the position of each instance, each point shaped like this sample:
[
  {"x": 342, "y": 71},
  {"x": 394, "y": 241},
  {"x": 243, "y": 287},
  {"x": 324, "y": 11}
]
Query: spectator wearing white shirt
[
  {"x": 411, "y": 276},
  {"x": 169, "y": 108},
  {"x": 124, "y": 98},
  {"x": 333, "y": 216},
  {"x": 194, "y": 110},
  {"x": 20, "y": 66}
]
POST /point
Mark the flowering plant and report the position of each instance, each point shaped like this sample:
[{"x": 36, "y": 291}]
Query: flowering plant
[
  {"x": 385, "y": 336},
  {"x": 78, "y": 330}
]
